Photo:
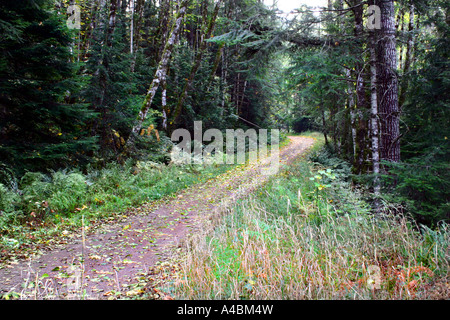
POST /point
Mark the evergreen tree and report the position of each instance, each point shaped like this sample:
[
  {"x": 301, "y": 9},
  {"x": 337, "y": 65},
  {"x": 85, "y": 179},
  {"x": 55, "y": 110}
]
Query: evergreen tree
[
  {"x": 41, "y": 123},
  {"x": 113, "y": 86},
  {"x": 423, "y": 176}
]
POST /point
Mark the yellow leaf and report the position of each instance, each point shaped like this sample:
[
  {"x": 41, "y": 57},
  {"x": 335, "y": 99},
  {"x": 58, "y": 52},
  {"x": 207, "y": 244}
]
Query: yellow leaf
[
  {"x": 127, "y": 261},
  {"x": 134, "y": 292}
]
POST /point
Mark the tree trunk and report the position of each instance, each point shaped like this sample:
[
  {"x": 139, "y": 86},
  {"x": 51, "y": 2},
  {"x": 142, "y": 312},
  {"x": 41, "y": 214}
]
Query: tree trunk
[
  {"x": 374, "y": 119},
  {"x": 401, "y": 26},
  {"x": 388, "y": 84},
  {"x": 351, "y": 107},
  {"x": 160, "y": 73},
  {"x": 324, "y": 124},
  {"x": 112, "y": 21},
  {"x": 164, "y": 23},
  {"x": 137, "y": 13},
  {"x": 216, "y": 64},
  {"x": 359, "y": 114},
  {"x": 164, "y": 104},
  {"x": 132, "y": 28}
]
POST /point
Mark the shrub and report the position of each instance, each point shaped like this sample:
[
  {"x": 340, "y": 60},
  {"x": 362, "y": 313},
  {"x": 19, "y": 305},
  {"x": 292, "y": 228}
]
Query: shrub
[{"x": 8, "y": 200}]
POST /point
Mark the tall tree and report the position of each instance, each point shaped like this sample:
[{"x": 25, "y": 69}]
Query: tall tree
[
  {"x": 374, "y": 117},
  {"x": 41, "y": 123},
  {"x": 388, "y": 84},
  {"x": 161, "y": 71}
]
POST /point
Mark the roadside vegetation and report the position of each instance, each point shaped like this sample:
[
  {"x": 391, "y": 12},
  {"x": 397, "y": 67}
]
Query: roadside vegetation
[
  {"x": 41, "y": 207},
  {"x": 309, "y": 234}
]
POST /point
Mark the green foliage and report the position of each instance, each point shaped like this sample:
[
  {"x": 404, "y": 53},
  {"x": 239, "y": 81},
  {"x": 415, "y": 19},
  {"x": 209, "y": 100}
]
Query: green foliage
[
  {"x": 422, "y": 180},
  {"x": 60, "y": 198},
  {"x": 423, "y": 186},
  {"x": 7, "y": 199},
  {"x": 61, "y": 190},
  {"x": 41, "y": 125},
  {"x": 328, "y": 157}
]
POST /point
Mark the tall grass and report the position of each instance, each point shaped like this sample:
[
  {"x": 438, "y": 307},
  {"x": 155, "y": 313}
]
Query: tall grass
[{"x": 301, "y": 237}]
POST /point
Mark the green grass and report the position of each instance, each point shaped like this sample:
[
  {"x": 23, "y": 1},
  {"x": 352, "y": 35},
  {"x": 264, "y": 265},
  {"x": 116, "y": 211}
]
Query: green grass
[{"x": 301, "y": 237}]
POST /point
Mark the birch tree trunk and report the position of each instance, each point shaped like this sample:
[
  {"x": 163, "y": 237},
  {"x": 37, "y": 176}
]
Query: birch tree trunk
[
  {"x": 388, "y": 84},
  {"x": 132, "y": 28},
  {"x": 374, "y": 118},
  {"x": 164, "y": 103},
  {"x": 351, "y": 106},
  {"x": 160, "y": 73},
  {"x": 361, "y": 93}
]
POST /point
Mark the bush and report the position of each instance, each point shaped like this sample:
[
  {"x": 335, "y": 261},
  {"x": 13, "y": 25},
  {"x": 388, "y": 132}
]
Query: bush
[
  {"x": 8, "y": 208},
  {"x": 8, "y": 199},
  {"x": 423, "y": 186},
  {"x": 327, "y": 157},
  {"x": 66, "y": 191}
]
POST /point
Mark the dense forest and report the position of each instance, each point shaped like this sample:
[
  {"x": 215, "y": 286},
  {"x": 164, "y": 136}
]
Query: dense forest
[{"x": 93, "y": 89}]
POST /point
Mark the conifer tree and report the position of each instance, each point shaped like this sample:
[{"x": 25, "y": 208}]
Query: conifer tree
[{"x": 41, "y": 123}]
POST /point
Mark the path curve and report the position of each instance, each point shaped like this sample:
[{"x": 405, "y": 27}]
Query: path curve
[{"x": 118, "y": 256}]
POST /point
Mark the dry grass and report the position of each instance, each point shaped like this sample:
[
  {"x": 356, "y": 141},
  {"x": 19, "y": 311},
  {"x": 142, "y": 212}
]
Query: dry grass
[
  {"x": 266, "y": 257},
  {"x": 307, "y": 248}
]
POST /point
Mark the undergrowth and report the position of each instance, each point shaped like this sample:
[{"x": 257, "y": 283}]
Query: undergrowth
[{"x": 39, "y": 207}]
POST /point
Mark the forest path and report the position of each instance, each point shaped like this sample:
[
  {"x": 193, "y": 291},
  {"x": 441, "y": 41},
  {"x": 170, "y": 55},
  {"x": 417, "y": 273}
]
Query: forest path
[{"x": 117, "y": 256}]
